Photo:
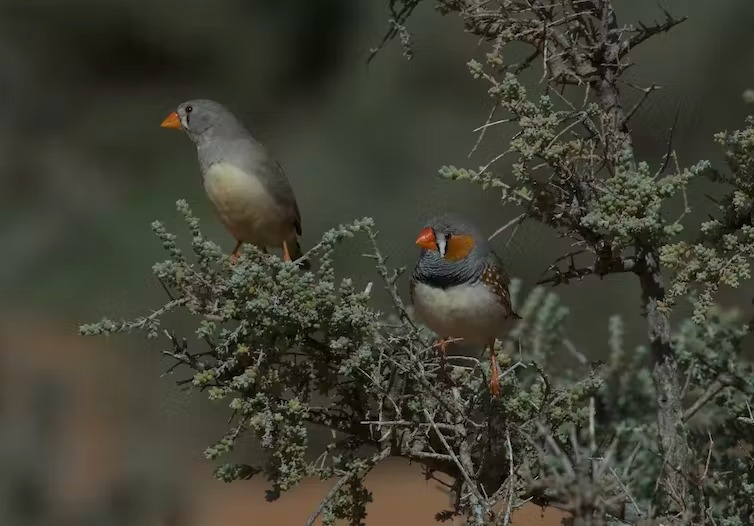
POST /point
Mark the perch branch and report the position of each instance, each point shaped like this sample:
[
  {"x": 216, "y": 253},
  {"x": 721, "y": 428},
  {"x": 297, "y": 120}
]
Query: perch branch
[
  {"x": 644, "y": 32},
  {"x": 601, "y": 267}
]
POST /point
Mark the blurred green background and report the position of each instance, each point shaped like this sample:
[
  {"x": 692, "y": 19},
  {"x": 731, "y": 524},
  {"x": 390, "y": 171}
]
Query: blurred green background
[{"x": 89, "y": 431}]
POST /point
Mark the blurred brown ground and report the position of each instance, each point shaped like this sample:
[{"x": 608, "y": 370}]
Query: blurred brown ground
[{"x": 401, "y": 498}]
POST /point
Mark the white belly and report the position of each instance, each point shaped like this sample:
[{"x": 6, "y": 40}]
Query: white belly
[
  {"x": 245, "y": 206},
  {"x": 470, "y": 312}
]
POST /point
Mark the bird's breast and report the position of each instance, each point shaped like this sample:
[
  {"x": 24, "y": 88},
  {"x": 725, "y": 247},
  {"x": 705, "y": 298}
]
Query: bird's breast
[
  {"x": 243, "y": 204},
  {"x": 469, "y": 311}
]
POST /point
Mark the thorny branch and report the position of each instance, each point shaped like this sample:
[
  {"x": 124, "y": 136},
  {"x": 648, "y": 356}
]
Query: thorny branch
[
  {"x": 581, "y": 43},
  {"x": 601, "y": 267},
  {"x": 722, "y": 381}
]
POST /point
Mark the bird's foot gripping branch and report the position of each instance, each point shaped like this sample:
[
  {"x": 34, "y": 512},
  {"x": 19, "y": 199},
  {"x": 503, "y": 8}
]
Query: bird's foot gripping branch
[{"x": 329, "y": 387}]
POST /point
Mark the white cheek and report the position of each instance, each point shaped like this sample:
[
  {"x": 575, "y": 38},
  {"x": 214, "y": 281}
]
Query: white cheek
[
  {"x": 184, "y": 121},
  {"x": 441, "y": 246}
]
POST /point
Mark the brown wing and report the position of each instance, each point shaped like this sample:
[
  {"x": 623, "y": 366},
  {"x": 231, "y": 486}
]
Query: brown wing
[
  {"x": 495, "y": 277},
  {"x": 297, "y": 222},
  {"x": 281, "y": 188}
]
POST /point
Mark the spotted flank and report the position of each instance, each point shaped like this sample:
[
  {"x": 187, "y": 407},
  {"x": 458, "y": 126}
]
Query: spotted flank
[{"x": 498, "y": 282}]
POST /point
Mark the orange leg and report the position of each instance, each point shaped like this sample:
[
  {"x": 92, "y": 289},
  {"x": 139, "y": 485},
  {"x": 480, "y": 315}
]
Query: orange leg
[
  {"x": 494, "y": 375},
  {"x": 286, "y": 254},
  {"x": 443, "y": 345},
  {"x": 235, "y": 255}
]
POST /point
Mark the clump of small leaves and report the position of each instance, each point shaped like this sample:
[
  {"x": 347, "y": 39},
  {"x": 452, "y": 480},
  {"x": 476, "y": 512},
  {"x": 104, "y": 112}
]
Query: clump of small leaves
[
  {"x": 273, "y": 337},
  {"x": 722, "y": 254},
  {"x": 291, "y": 352}
]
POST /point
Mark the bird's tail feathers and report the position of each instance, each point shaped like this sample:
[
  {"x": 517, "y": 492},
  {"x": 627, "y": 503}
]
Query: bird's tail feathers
[{"x": 296, "y": 253}]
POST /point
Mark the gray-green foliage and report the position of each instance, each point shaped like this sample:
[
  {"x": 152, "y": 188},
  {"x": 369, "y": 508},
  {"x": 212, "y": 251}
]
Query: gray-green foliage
[
  {"x": 663, "y": 432},
  {"x": 722, "y": 254},
  {"x": 724, "y": 430},
  {"x": 290, "y": 351}
]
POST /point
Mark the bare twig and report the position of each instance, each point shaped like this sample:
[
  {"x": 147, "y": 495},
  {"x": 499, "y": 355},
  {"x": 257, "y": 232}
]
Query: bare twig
[
  {"x": 646, "y": 92},
  {"x": 493, "y": 123},
  {"x": 515, "y": 221},
  {"x": 510, "y": 481},
  {"x": 451, "y": 453},
  {"x": 389, "y": 279},
  {"x": 397, "y": 22},
  {"x": 721, "y": 382},
  {"x": 382, "y": 455},
  {"x": 669, "y": 142},
  {"x": 601, "y": 267},
  {"x": 709, "y": 457},
  {"x": 368, "y": 289},
  {"x": 483, "y": 129},
  {"x": 644, "y": 32},
  {"x": 627, "y": 493}
]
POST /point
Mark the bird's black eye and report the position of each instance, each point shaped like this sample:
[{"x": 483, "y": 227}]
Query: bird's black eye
[{"x": 189, "y": 109}]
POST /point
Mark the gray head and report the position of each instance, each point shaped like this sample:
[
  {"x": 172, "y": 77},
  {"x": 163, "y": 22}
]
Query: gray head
[
  {"x": 453, "y": 252},
  {"x": 202, "y": 119}
]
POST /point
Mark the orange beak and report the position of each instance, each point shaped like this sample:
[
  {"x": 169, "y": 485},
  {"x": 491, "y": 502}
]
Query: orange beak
[
  {"x": 427, "y": 239},
  {"x": 172, "y": 121}
]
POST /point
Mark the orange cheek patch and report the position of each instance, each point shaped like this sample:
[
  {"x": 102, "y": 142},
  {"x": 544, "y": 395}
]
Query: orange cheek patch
[{"x": 459, "y": 247}]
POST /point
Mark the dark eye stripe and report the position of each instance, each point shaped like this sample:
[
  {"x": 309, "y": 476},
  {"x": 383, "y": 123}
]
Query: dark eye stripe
[{"x": 437, "y": 241}]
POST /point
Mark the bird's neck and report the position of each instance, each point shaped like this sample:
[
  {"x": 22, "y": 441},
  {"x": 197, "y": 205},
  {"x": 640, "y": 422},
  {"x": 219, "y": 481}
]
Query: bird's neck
[
  {"x": 228, "y": 129},
  {"x": 218, "y": 143},
  {"x": 432, "y": 269}
]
